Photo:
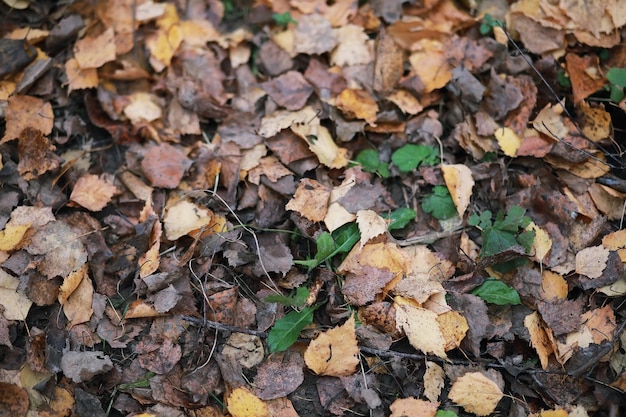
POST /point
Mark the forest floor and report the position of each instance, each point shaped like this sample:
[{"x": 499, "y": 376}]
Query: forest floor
[{"x": 309, "y": 208}]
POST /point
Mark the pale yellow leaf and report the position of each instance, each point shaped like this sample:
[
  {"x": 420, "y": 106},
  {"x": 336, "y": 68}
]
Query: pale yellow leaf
[
  {"x": 453, "y": 327},
  {"x": 282, "y": 119},
  {"x": 591, "y": 261},
  {"x": 508, "y": 140},
  {"x": 412, "y": 407},
  {"x": 476, "y": 393},
  {"x": 15, "y": 303},
  {"x": 370, "y": 225},
  {"x": 185, "y": 217},
  {"x": 334, "y": 352},
  {"x": 459, "y": 181},
  {"x": 421, "y": 327},
  {"x": 322, "y": 144},
  {"x": 433, "y": 381}
]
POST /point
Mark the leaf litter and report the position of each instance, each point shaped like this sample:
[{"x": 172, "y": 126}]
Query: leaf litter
[{"x": 302, "y": 208}]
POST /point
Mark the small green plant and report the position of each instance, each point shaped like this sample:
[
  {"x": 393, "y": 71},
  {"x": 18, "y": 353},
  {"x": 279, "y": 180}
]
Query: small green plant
[
  {"x": 497, "y": 292},
  {"x": 446, "y": 413},
  {"x": 369, "y": 159},
  {"x": 563, "y": 79},
  {"x": 399, "y": 218},
  {"x": 488, "y": 23},
  {"x": 283, "y": 19},
  {"x": 411, "y": 156},
  {"x": 330, "y": 244},
  {"x": 286, "y": 330},
  {"x": 617, "y": 81},
  {"x": 439, "y": 204},
  {"x": 504, "y": 232}
]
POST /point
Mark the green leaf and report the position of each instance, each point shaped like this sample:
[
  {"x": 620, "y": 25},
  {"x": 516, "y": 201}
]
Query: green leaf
[
  {"x": 369, "y": 160},
  {"x": 481, "y": 221},
  {"x": 410, "y": 156},
  {"x": 400, "y": 218},
  {"x": 283, "y": 19},
  {"x": 496, "y": 241},
  {"x": 617, "y": 93},
  {"x": 617, "y": 76},
  {"x": 439, "y": 203},
  {"x": 285, "y": 331},
  {"x": 294, "y": 300},
  {"x": 513, "y": 221},
  {"x": 497, "y": 292},
  {"x": 346, "y": 237},
  {"x": 446, "y": 413},
  {"x": 526, "y": 239}
]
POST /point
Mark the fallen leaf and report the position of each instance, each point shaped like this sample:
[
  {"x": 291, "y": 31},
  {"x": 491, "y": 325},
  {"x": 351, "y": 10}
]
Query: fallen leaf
[
  {"x": 476, "y": 393},
  {"x": 334, "y": 352},
  {"x": 357, "y": 104},
  {"x": 36, "y": 154},
  {"x": 142, "y": 107},
  {"x": 459, "y": 181},
  {"x": 92, "y": 192},
  {"x": 12, "y": 236},
  {"x": 185, "y": 217},
  {"x": 310, "y": 200},
  {"x": 26, "y": 111},
  {"x": 591, "y": 261},
  {"x": 421, "y": 327},
  {"x": 508, "y": 140},
  {"x": 322, "y": 144},
  {"x": 14, "y": 302},
  {"x": 164, "y": 165},
  {"x": 433, "y": 381},
  {"x": 412, "y": 407},
  {"x": 431, "y": 65},
  {"x": 78, "y": 307},
  {"x": 538, "y": 338},
  {"x": 370, "y": 225},
  {"x": 282, "y": 119},
  {"x": 244, "y": 348},
  {"x": 453, "y": 327},
  {"x": 95, "y": 51},
  {"x": 242, "y": 403},
  {"x": 353, "y": 48},
  {"x": 13, "y": 399},
  {"x": 83, "y": 366}
]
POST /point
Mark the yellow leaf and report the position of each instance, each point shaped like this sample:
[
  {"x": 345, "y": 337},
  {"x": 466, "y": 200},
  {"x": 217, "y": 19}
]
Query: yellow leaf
[
  {"x": 459, "y": 181},
  {"x": 357, "y": 104},
  {"x": 508, "y": 140},
  {"x": 322, "y": 144},
  {"x": 476, "y": 393},
  {"x": 185, "y": 217},
  {"x": 553, "y": 286},
  {"x": 242, "y": 403},
  {"x": 454, "y": 328},
  {"x": 71, "y": 282},
  {"x": 412, "y": 407},
  {"x": 421, "y": 327},
  {"x": 538, "y": 338},
  {"x": 12, "y": 235},
  {"x": 15, "y": 303},
  {"x": 370, "y": 225},
  {"x": 542, "y": 242},
  {"x": 334, "y": 352}
]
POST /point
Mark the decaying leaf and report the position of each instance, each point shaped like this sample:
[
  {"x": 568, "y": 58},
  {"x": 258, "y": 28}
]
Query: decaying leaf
[
  {"x": 370, "y": 225},
  {"x": 591, "y": 261},
  {"x": 310, "y": 200},
  {"x": 413, "y": 407},
  {"x": 242, "y": 403}
]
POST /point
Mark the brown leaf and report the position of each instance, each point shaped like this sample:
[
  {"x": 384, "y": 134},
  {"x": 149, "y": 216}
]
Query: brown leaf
[
  {"x": 310, "y": 200},
  {"x": 280, "y": 375},
  {"x": 92, "y": 192},
  {"x": 585, "y": 75},
  {"x": 164, "y": 165},
  {"x": 95, "y": 51},
  {"x": 289, "y": 90}
]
